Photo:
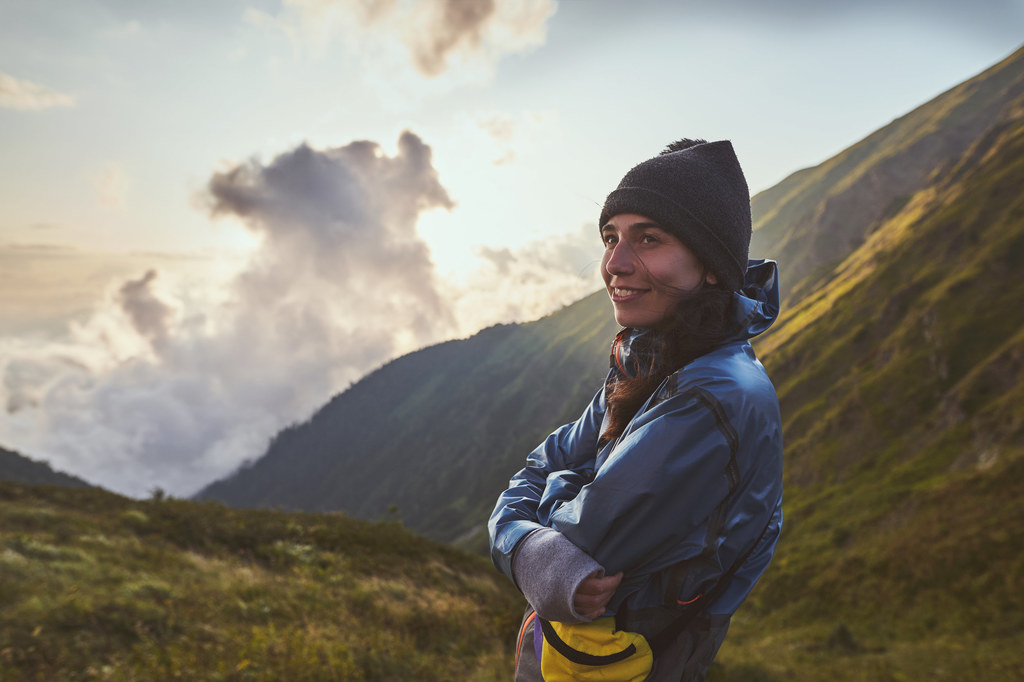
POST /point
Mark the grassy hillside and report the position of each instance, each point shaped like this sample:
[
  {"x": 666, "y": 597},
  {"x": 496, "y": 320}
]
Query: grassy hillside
[
  {"x": 900, "y": 383},
  {"x": 99, "y": 587},
  {"x": 437, "y": 433}
]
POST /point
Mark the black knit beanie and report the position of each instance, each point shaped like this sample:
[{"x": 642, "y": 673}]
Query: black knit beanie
[{"x": 700, "y": 195}]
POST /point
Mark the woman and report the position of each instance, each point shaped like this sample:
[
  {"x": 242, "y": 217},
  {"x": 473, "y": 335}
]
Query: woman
[{"x": 659, "y": 508}]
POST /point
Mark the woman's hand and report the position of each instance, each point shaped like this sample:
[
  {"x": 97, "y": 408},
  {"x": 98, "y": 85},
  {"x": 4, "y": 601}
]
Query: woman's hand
[{"x": 594, "y": 593}]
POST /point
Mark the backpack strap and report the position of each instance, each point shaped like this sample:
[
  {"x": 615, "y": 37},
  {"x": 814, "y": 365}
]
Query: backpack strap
[{"x": 701, "y": 602}]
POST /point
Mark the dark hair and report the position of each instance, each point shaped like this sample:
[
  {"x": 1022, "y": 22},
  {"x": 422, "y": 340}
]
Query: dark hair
[{"x": 700, "y": 322}]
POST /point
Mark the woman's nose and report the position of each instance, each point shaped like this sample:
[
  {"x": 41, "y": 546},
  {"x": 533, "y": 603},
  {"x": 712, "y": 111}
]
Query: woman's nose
[{"x": 620, "y": 259}]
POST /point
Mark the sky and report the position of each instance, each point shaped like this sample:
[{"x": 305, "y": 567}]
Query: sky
[{"x": 215, "y": 216}]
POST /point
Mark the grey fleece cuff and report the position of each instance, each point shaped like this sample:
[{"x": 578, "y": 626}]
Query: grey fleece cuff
[{"x": 548, "y": 569}]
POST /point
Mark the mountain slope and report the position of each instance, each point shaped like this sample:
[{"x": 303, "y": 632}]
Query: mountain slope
[
  {"x": 817, "y": 216},
  {"x": 903, "y": 406},
  {"x": 911, "y": 319},
  {"x": 436, "y": 433},
  {"x": 20, "y": 469}
]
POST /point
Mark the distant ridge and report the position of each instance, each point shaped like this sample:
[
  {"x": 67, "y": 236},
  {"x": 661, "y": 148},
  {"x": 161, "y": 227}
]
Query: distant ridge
[{"x": 17, "y": 468}]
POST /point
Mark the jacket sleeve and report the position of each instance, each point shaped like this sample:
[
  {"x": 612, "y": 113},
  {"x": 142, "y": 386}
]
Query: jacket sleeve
[
  {"x": 655, "y": 498},
  {"x": 548, "y": 570},
  {"x": 567, "y": 456}
]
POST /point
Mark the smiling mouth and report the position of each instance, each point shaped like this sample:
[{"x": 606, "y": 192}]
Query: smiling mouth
[{"x": 623, "y": 293}]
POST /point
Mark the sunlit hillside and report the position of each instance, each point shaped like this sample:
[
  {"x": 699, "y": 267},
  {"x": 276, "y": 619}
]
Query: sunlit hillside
[
  {"x": 813, "y": 219},
  {"x": 903, "y": 405}
]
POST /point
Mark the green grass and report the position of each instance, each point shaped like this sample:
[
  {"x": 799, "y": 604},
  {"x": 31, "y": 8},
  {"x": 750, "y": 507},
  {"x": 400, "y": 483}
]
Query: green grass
[
  {"x": 901, "y": 574},
  {"x": 902, "y": 553},
  {"x": 99, "y": 587}
]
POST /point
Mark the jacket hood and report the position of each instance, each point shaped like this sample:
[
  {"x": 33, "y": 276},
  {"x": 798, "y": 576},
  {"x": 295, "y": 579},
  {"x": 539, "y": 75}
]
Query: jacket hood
[{"x": 756, "y": 304}]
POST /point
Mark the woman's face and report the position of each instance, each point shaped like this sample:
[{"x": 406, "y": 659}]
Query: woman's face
[{"x": 645, "y": 269}]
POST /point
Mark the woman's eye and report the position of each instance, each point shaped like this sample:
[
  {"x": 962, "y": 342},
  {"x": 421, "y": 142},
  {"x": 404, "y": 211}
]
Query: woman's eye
[
  {"x": 608, "y": 239},
  {"x": 649, "y": 239}
]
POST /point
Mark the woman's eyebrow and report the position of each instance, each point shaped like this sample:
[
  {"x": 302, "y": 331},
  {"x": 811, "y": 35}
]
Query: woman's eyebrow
[
  {"x": 646, "y": 225},
  {"x": 635, "y": 226}
]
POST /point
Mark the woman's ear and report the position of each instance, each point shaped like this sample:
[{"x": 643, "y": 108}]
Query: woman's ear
[{"x": 710, "y": 278}]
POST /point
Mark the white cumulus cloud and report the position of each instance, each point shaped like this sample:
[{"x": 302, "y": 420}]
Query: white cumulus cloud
[{"x": 154, "y": 390}]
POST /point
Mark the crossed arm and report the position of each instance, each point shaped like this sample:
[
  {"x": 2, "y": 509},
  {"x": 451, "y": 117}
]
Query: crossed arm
[{"x": 567, "y": 520}]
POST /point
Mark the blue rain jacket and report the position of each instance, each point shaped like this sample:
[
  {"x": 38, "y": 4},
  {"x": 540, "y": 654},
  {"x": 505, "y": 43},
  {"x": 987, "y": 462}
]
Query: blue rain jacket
[{"x": 696, "y": 477}]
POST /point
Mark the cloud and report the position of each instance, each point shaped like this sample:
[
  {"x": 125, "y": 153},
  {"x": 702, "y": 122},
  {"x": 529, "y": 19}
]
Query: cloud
[
  {"x": 150, "y": 316},
  {"x": 44, "y": 287},
  {"x": 439, "y": 32},
  {"x": 501, "y": 259},
  {"x": 502, "y": 130},
  {"x": 22, "y": 94},
  {"x": 445, "y": 27},
  {"x": 525, "y": 283},
  {"x": 499, "y": 126},
  {"x": 163, "y": 386},
  {"x": 434, "y": 33},
  {"x": 344, "y": 218}
]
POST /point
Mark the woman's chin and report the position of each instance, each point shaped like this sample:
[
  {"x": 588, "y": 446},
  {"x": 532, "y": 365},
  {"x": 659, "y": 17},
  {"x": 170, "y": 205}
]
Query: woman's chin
[{"x": 637, "y": 319}]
